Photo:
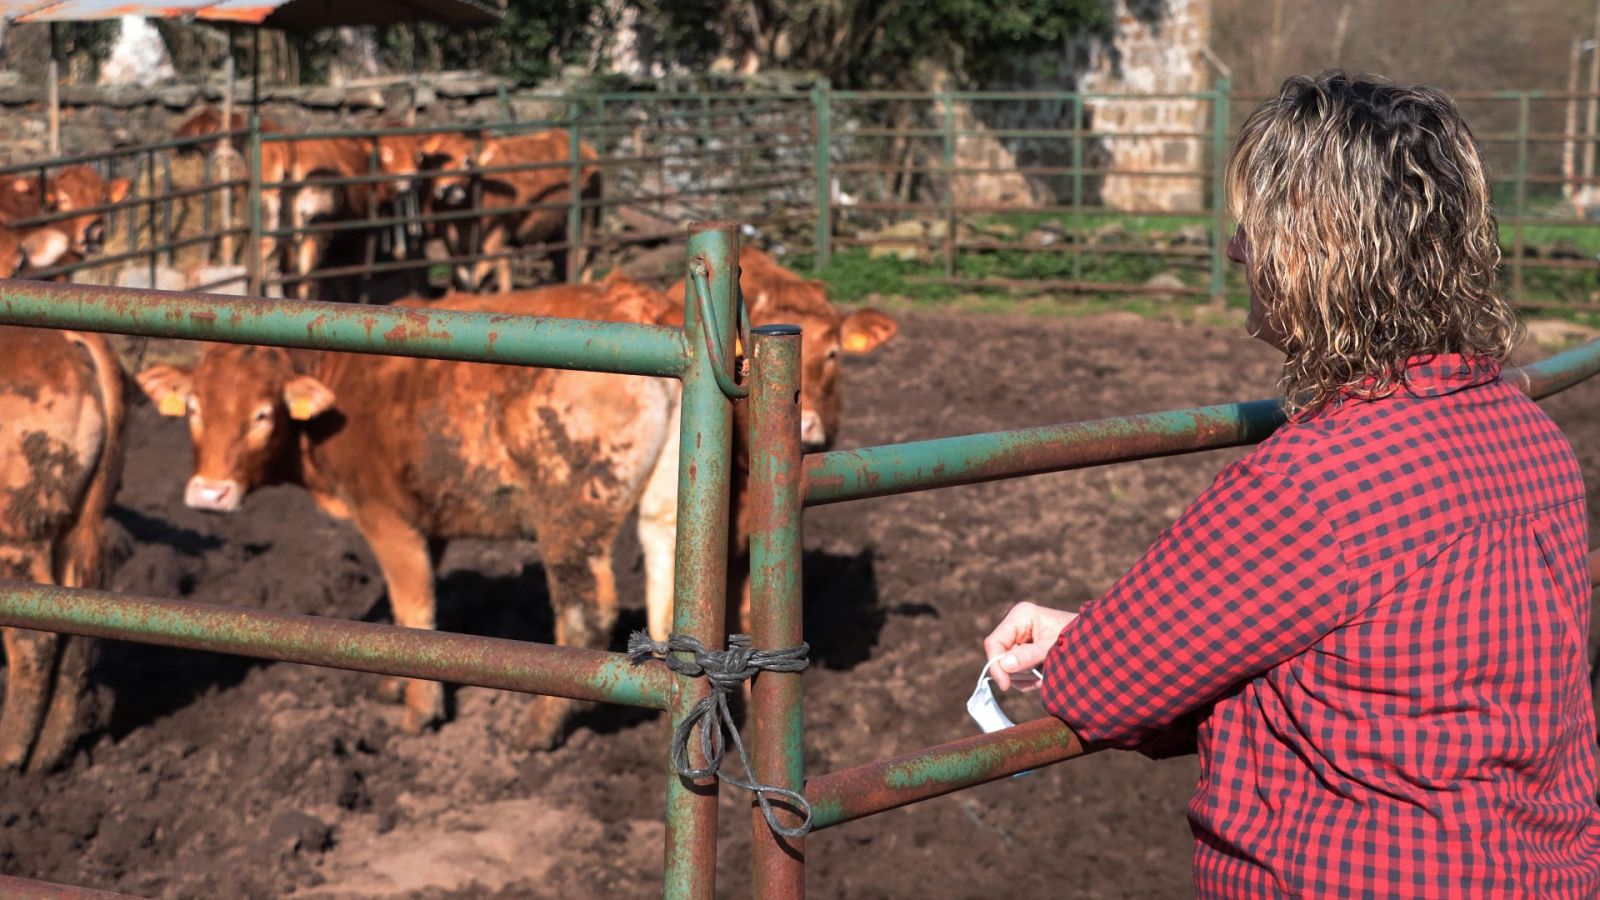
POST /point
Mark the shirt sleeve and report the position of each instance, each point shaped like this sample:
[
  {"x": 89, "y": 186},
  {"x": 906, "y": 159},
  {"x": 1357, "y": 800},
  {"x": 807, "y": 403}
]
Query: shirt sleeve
[{"x": 1250, "y": 575}]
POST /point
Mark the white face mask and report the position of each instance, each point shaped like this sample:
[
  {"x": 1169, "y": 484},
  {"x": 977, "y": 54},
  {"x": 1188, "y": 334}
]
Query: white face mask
[
  {"x": 982, "y": 706},
  {"x": 986, "y": 711}
]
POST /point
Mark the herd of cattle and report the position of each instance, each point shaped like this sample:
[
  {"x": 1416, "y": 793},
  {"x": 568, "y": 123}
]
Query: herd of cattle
[
  {"x": 481, "y": 197},
  {"x": 413, "y": 452}
]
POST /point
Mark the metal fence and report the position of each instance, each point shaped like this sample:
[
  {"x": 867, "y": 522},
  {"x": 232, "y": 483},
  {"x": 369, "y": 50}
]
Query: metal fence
[
  {"x": 782, "y": 482},
  {"x": 1043, "y": 191}
]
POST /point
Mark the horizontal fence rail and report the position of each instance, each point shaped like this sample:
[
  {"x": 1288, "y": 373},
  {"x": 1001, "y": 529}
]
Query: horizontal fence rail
[
  {"x": 337, "y": 643},
  {"x": 396, "y": 331},
  {"x": 945, "y": 462}
]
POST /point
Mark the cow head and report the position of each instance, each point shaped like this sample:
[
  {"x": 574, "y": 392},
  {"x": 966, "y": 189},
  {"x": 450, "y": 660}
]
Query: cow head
[
  {"x": 242, "y": 403},
  {"x": 35, "y": 248},
  {"x": 826, "y": 336},
  {"x": 448, "y": 157},
  {"x": 399, "y": 155},
  {"x": 81, "y": 188}
]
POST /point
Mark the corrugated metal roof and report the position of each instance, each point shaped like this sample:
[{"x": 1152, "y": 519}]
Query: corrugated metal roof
[{"x": 291, "y": 14}]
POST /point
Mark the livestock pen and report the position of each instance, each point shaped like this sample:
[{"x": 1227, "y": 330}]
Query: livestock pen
[
  {"x": 783, "y": 483},
  {"x": 1048, "y": 192}
]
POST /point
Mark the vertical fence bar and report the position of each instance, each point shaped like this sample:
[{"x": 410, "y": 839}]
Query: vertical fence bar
[
  {"x": 821, "y": 104},
  {"x": 775, "y": 608},
  {"x": 1521, "y": 201},
  {"x": 1219, "y": 191},
  {"x": 152, "y": 211},
  {"x": 257, "y": 261},
  {"x": 1079, "y": 226},
  {"x": 700, "y": 581},
  {"x": 369, "y": 243},
  {"x": 54, "y": 77},
  {"x": 575, "y": 250},
  {"x": 949, "y": 183}
]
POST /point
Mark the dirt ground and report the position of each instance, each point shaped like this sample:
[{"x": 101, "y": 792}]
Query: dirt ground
[{"x": 218, "y": 777}]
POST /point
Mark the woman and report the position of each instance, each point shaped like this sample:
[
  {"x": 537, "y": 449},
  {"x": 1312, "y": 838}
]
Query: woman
[{"x": 1378, "y": 617}]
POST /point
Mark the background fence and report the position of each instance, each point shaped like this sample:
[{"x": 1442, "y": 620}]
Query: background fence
[{"x": 933, "y": 192}]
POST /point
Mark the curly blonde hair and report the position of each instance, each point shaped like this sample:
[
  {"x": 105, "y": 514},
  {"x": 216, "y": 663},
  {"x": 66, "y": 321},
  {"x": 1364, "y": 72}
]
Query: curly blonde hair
[{"x": 1366, "y": 208}]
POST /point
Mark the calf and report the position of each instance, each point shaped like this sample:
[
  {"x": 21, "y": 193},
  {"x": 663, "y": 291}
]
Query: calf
[
  {"x": 416, "y": 452},
  {"x": 773, "y": 295},
  {"x": 77, "y": 189},
  {"x": 300, "y": 205},
  {"x": 80, "y": 189},
  {"x": 453, "y": 158},
  {"x": 61, "y": 416}
]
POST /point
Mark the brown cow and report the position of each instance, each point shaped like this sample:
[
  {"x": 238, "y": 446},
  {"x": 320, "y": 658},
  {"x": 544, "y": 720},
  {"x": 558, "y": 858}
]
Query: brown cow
[
  {"x": 209, "y": 121},
  {"x": 299, "y": 205},
  {"x": 60, "y": 419},
  {"x": 416, "y": 452},
  {"x": 78, "y": 188},
  {"x": 74, "y": 188},
  {"x": 452, "y": 157},
  {"x": 773, "y": 295}
]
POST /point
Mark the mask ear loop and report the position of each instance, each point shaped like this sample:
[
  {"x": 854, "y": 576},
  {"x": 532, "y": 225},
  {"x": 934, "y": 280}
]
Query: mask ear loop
[{"x": 1037, "y": 677}]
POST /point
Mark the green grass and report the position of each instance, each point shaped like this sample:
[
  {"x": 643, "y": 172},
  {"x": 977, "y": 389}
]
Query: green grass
[{"x": 852, "y": 275}]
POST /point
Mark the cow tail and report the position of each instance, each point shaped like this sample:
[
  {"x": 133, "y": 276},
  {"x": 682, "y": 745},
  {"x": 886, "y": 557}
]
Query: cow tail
[{"x": 82, "y": 560}]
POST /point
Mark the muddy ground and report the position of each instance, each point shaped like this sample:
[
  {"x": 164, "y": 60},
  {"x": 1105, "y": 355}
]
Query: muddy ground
[{"x": 219, "y": 777}]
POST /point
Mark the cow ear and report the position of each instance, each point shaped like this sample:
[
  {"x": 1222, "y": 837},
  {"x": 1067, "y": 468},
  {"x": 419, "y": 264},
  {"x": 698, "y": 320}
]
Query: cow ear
[
  {"x": 169, "y": 387},
  {"x": 306, "y": 398},
  {"x": 866, "y": 330},
  {"x": 43, "y": 247},
  {"x": 758, "y": 307},
  {"x": 117, "y": 191}
]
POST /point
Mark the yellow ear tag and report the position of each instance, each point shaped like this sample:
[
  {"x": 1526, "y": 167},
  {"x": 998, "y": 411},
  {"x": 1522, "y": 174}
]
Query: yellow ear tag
[
  {"x": 857, "y": 343},
  {"x": 172, "y": 404},
  {"x": 301, "y": 410}
]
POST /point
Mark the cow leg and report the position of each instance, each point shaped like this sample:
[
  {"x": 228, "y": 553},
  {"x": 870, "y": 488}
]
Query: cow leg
[
  {"x": 403, "y": 556},
  {"x": 308, "y": 253},
  {"x": 583, "y": 592},
  {"x": 658, "y": 531},
  {"x": 30, "y": 660},
  {"x": 392, "y": 688},
  {"x": 60, "y": 729},
  {"x": 494, "y": 241},
  {"x": 79, "y": 563}
]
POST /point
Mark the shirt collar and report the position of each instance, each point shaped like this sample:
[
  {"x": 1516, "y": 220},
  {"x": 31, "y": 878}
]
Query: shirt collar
[{"x": 1431, "y": 375}]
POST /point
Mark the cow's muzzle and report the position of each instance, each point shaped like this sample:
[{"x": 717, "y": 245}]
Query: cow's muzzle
[
  {"x": 217, "y": 496},
  {"x": 813, "y": 434},
  {"x": 94, "y": 238}
]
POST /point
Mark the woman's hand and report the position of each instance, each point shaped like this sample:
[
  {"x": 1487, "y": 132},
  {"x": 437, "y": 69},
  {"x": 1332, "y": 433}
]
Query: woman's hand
[{"x": 1022, "y": 639}]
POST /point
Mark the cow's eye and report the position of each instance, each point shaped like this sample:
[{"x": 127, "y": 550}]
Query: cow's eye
[
  {"x": 833, "y": 353},
  {"x": 263, "y": 414}
]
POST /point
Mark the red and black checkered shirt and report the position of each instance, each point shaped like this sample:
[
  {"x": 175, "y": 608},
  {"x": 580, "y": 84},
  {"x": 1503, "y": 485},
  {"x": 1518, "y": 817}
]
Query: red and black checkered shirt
[{"x": 1380, "y": 616}]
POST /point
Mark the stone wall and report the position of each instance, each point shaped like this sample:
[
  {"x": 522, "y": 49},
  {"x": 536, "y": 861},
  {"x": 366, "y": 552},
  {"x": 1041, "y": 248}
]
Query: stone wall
[
  {"x": 1156, "y": 48},
  {"x": 95, "y": 118}
]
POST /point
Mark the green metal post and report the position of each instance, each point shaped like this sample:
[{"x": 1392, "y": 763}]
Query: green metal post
[
  {"x": 257, "y": 261},
  {"x": 822, "y": 103},
  {"x": 1521, "y": 203},
  {"x": 949, "y": 184},
  {"x": 1078, "y": 224},
  {"x": 1219, "y": 191},
  {"x": 775, "y": 609},
  {"x": 700, "y": 580},
  {"x": 507, "y": 114},
  {"x": 575, "y": 249}
]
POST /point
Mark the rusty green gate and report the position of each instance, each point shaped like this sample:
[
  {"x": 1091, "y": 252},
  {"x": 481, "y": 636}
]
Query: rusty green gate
[{"x": 782, "y": 484}]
